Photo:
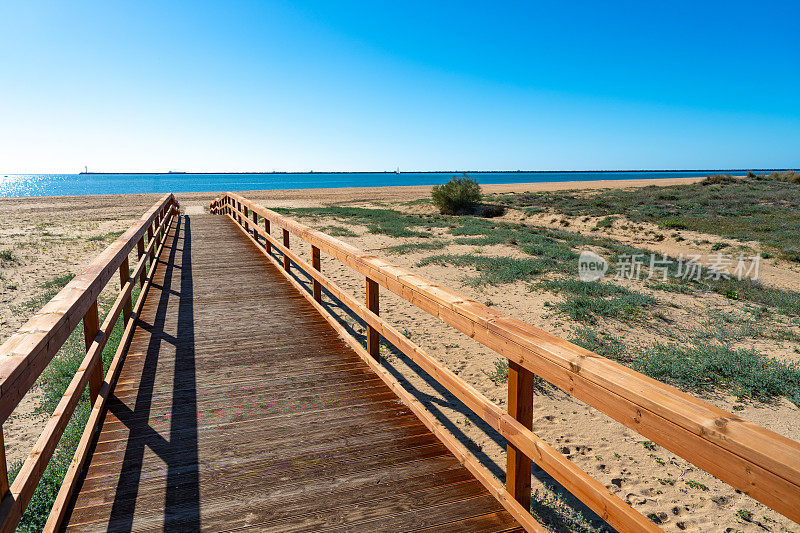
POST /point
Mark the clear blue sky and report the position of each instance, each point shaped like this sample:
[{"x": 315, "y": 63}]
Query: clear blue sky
[{"x": 199, "y": 86}]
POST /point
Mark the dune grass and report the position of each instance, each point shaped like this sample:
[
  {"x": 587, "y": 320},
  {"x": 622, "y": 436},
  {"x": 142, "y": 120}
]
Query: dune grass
[
  {"x": 711, "y": 367},
  {"x": 7, "y": 256},
  {"x": 492, "y": 270},
  {"x": 380, "y": 221},
  {"x": 761, "y": 208},
  {"x": 338, "y": 231},
  {"x": 706, "y": 364},
  {"x": 551, "y": 250},
  {"x": 586, "y": 301},
  {"x": 414, "y": 247},
  {"x": 51, "y": 288}
]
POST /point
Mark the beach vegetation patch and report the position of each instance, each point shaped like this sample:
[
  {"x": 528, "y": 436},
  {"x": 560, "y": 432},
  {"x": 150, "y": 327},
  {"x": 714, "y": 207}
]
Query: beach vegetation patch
[
  {"x": 599, "y": 342},
  {"x": 339, "y": 231},
  {"x": 492, "y": 270},
  {"x": 413, "y": 247},
  {"x": 381, "y": 221},
  {"x": 586, "y": 301},
  {"x": 761, "y": 208},
  {"x": 709, "y": 367},
  {"x": 586, "y": 308},
  {"x": 110, "y": 236},
  {"x": 457, "y": 196},
  {"x": 7, "y": 256},
  {"x": 51, "y": 288},
  {"x": 557, "y": 513},
  {"x": 499, "y": 374},
  {"x": 701, "y": 366}
]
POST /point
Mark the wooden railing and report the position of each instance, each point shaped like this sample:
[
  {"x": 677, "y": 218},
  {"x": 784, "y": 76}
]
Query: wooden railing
[
  {"x": 750, "y": 458},
  {"x": 25, "y": 355}
]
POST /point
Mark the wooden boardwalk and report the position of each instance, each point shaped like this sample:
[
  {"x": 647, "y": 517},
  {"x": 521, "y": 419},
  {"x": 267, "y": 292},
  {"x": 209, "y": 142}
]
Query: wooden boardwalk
[{"x": 239, "y": 407}]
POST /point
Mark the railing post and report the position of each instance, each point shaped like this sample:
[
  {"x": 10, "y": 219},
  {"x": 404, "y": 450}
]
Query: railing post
[
  {"x": 246, "y": 223},
  {"x": 286, "y": 262},
  {"x": 315, "y": 262},
  {"x": 255, "y": 225},
  {"x": 124, "y": 276},
  {"x": 373, "y": 339},
  {"x": 520, "y": 406},
  {"x": 267, "y": 230},
  {"x": 3, "y": 466},
  {"x": 140, "y": 253},
  {"x": 91, "y": 325}
]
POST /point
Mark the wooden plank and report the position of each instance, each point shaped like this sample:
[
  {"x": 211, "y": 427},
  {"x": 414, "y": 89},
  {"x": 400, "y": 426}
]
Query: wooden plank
[{"x": 520, "y": 407}]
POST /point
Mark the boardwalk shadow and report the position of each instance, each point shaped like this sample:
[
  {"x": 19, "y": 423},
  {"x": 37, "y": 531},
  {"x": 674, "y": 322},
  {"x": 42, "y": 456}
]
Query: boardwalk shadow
[{"x": 179, "y": 452}]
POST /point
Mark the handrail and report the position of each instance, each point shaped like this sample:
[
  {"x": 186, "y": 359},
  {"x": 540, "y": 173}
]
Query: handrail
[
  {"x": 757, "y": 461},
  {"x": 26, "y": 353}
]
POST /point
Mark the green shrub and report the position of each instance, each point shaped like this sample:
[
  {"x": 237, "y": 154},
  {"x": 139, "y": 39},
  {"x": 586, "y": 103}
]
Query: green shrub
[{"x": 457, "y": 196}]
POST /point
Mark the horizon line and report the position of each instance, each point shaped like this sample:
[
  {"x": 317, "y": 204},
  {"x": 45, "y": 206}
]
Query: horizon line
[{"x": 594, "y": 171}]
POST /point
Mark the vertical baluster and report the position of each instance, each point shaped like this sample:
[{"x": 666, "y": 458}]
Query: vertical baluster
[
  {"x": 520, "y": 406},
  {"x": 315, "y": 262},
  {"x": 149, "y": 240},
  {"x": 124, "y": 276},
  {"x": 255, "y": 225},
  {"x": 140, "y": 253},
  {"x": 91, "y": 325},
  {"x": 286, "y": 262},
  {"x": 3, "y": 466},
  {"x": 267, "y": 229},
  {"x": 373, "y": 339}
]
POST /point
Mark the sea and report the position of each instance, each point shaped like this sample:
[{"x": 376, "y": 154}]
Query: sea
[{"x": 21, "y": 185}]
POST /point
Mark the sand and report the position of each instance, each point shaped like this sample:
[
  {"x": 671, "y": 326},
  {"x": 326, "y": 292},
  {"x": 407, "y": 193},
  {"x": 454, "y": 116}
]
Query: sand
[{"x": 48, "y": 236}]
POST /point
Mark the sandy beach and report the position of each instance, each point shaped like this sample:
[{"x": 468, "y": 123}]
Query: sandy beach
[{"x": 53, "y": 236}]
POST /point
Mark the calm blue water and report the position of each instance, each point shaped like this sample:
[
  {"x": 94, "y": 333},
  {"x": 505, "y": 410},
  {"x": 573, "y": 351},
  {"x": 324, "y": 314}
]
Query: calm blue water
[{"x": 81, "y": 184}]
